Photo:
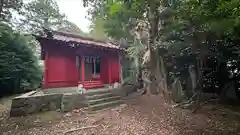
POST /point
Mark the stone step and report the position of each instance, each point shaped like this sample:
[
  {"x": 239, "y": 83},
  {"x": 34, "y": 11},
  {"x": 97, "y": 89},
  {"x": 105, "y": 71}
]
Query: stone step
[
  {"x": 73, "y": 101},
  {"x": 93, "y": 86},
  {"x": 60, "y": 90},
  {"x": 93, "y": 82},
  {"x": 104, "y": 105},
  {"x": 96, "y": 92},
  {"x": 99, "y": 96},
  {"x": 103, "y": 100}
]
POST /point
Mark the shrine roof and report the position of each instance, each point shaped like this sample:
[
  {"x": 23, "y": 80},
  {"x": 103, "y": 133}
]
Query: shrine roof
[{"x": 69, "y": 37}]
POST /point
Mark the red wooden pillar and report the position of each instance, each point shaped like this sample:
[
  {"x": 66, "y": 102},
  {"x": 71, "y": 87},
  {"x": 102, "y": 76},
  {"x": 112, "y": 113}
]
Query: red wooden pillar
[
  {"x": 46, "y": 70},
  {"x": 120, "y": 75},
  {"x": 77, "y": 69},
  {"x": 82, "y": 69},
  {"x": 109, "y": 71}
]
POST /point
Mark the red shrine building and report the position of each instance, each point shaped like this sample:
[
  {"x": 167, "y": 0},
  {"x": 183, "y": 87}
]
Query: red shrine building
[{"x": 70, "y": 60}]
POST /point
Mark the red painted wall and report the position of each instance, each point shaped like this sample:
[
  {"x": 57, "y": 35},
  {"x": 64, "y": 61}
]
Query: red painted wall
[
  {"x": 110, "y": 69},
  {"x": 61, "y": 70},
  {"x": 115, "y": 69},
  {"x": 104, "y": 69}
]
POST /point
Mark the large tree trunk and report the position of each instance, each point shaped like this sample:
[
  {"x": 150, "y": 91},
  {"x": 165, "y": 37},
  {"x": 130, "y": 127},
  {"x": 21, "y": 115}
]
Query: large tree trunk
[
  {"x": 153, "y": 21},
  {"x": 1, "y": 7},
  {"x": 164, "y": 78},
  {"x": 191, "y": 81}
]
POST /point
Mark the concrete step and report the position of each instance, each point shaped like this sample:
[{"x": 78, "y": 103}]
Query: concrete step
[
  {"x": 99, "y": 99},
  {"x": 93, "y": 86},
  {"x": 73, "y": 101},
  {"x": 93, "y": 83},
  {"x": 99, "y": 96},
  {"x": 103, "y": 100},
  {"x": 105, "y": 105},
  {"x": 96, "y": 92},
  {"x": 60, "y": 90}
]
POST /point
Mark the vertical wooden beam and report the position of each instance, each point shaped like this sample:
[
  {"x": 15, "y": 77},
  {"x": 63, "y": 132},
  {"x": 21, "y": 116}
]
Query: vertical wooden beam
[
  {"x": 82, "y": 69},
  {"x": 109, "y": 71},
  {"x": 94, "y": 65},
  {"x": 78, "y": 65},
  {"x": 120, "y": 70},
  {"x": 45, "y": 70}
]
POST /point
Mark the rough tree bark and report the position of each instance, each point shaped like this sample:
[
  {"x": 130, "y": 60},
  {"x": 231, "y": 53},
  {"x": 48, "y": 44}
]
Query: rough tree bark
[
  {"x": 1, "y": 7},
  {"x": 153, "y": 18},
  {"x": 192, "y": 81},
  {"x": 177, "y": 91},
  {"x": 164, "y": 77}
]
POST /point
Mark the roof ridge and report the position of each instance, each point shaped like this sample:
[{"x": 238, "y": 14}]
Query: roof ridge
[
  {"x": 68, "y": 34},
  {"x": 70, "y": 37}
]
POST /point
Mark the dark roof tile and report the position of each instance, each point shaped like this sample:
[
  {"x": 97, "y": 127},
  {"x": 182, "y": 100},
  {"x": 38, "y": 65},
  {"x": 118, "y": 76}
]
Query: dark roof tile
[{"x": 63, "y": 36}]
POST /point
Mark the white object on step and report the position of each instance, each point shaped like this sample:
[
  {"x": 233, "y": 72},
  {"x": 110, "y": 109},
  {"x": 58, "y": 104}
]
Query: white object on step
[
  {"x": 81, "y": 89},
  {"x": 80, "y": 86},
  {"x": 110, "y": 87},
  {"x": 116, "y": 85}
]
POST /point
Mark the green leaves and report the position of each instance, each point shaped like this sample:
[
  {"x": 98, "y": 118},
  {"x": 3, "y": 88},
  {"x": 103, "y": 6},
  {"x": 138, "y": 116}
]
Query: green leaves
[
  {"x": 98, "y": 30},
  {"x": 17, "y": 59},
  {"x": 7, "y": 8},
  {"x": 114, "y": 8},
  {"x": 212, "y": 25},
  {"x": 41, "y": 13}
]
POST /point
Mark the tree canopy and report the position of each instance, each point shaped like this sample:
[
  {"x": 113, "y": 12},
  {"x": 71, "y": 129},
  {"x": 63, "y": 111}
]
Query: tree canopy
[
  {"x": 19, "y": 53},
  {"x": 41, "y": 13},
  {"x": 97, "y": 30},
  {"x": 17, "y": 62},
  {"x": 192, "y": 31},
  {"x": 8, "y": 7}
]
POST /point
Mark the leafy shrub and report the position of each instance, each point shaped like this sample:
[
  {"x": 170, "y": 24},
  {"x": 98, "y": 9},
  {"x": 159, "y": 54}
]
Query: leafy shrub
[{"x": 19, "y": 68}]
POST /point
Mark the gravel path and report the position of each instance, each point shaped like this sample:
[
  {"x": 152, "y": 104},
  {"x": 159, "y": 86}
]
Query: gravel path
[{"x": 147, "y": 115}]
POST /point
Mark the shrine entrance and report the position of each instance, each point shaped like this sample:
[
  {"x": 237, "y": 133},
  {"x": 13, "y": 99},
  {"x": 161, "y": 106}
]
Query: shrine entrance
[
  {"x": 89, "y": 71},
  {"x": 92, "y": 68}
]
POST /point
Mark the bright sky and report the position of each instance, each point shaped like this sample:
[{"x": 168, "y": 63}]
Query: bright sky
[{"x": 75, "y": 12}]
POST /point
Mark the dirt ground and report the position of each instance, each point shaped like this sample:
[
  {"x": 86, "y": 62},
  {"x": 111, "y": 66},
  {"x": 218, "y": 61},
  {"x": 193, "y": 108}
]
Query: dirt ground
[{"x": 146, "y": 115}]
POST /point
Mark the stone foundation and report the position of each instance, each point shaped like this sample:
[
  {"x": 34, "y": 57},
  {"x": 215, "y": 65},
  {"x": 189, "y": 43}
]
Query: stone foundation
[
  {"x": 73, "y": 101},
  {"x": 24, "y": 105},
  {"x": 34, "y": 102}
]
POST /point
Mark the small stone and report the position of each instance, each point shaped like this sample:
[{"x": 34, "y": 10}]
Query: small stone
[
  {"x": 58, "y": 110},
  {"x": 37, "y": 121},
  {"x": 76, "y": 111},
  {"x": 67, "y": 115}
]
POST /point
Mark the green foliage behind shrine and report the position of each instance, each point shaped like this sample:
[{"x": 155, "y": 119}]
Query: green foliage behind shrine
[{"x": 19, "y": 67}]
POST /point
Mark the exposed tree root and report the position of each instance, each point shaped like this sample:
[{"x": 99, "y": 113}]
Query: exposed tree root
[
  {"x": 186, "y": 102},
  {"x": 72, "y": 130},
  {"x": 144, "y": 92},
  {"x": 195, "y": 102}
]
